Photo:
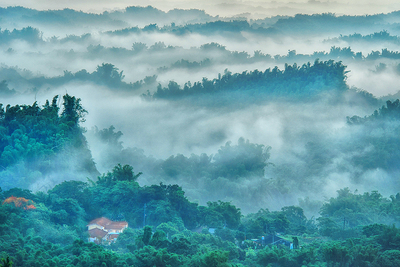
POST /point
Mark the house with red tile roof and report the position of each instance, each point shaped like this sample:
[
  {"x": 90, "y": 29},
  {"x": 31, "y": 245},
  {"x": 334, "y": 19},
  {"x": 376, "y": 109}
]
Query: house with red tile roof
[
  {"x": 97, "y": 235},
  {"x": 104, "y": 230}
]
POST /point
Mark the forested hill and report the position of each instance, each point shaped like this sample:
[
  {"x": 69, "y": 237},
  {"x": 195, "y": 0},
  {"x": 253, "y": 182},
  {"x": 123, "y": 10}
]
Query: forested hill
[
  {"x": 180, "y": 22},
  {"x": 294, "y": 81},
  {"x": 165, "y": 227},
  {"x": 39, "y": 143}
]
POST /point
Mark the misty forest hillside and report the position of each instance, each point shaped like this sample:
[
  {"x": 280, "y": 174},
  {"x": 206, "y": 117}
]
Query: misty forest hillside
[{"x": 222, "y": 141}]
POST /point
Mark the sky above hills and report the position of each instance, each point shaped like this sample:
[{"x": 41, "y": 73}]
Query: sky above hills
[{"x": 249, "y": 8}]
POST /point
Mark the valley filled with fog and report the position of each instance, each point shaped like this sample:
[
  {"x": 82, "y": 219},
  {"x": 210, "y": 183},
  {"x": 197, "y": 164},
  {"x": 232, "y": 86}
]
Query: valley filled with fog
[
  {"x": 258, "y": 112},
  {"x": 112, "y": 60}
]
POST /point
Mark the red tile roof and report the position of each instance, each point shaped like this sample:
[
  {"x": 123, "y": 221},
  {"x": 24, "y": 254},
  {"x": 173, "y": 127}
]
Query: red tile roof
[
  {"x": 108, "y": 224},
  {"x": 97, "y": 233},
  {"x": 103, "y": 221},
  {"x": 116, "y": 225}
]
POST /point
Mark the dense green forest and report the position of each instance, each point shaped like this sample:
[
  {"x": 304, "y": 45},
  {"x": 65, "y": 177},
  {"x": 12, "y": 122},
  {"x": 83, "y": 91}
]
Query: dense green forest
[
  {"x": 39, "y": 141},
  {"x": 295, "y": 81},
  {"x": 165, "y": 228},
  {"x": 352, "y": 230}
]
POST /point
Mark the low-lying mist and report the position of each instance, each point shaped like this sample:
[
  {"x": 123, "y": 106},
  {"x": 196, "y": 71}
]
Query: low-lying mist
[
  {"x": 117, "y": 66},
  {"x": 309, "y": 142}
]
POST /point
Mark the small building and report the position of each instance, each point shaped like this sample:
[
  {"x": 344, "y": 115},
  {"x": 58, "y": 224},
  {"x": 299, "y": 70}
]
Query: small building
[
  {"x": 97, "y": 235},
  {"x": 104, "y": 230}
]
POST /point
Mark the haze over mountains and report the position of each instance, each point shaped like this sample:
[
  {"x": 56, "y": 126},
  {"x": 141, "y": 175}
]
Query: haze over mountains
[
  {"x": 240, "y": 133},
  {"x": 140, "y": 69},
  {"x": 244, "y": 8}
]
